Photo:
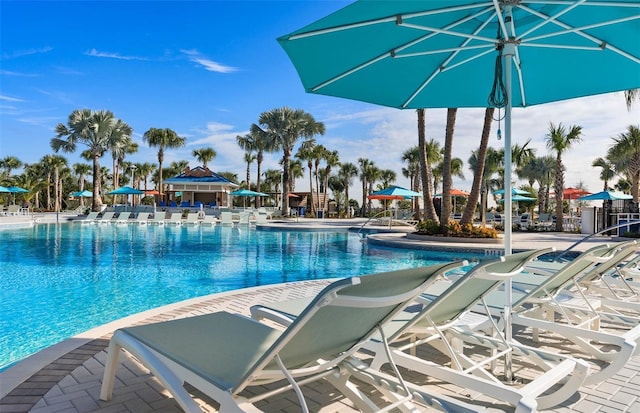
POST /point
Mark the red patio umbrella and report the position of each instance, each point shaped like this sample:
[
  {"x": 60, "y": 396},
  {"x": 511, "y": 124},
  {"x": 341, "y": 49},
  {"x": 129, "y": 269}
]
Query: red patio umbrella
[{"x": 574, "y": 193}]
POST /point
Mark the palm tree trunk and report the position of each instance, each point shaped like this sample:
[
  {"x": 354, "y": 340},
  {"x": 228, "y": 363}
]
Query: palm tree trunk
[
  {"x": 425, "y": 170},
  {"x": 558, "y": 187},
  {"x": 446, "y": 169},
  {"x": 478, "y": 173}
]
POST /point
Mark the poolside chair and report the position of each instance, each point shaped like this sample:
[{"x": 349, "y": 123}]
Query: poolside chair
[
  {"x": 608, "y": 339},
  {"x": 445, "y": 320},
  {"x": 90, "y": 218},
  {"x": 226, "y": 218},
  {"x": 142, "y": 218},
  {"x": 524, "y": 221},
  {"x": 106, "y": 218},
  {"x": 158, "y": 218},
  {"x": 192, "y": 219},
  {"x": 208, "y": 220},
  {"x": 222, "y": 354},
  {"x": 122, "y": 218},
  {"x": 244, "y": 218},
  {"x": 544, "y": 222},
  {"x": 260, "y": 218},
  {"x": 175, "y": 218}
]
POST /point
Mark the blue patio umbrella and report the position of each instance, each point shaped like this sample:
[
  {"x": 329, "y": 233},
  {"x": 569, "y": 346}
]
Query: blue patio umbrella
[
  {"x": 514, "y": 191},
  {"x": 605, "y": 196},
  {"x": 4, "y": 189},
  {"x": 126, "y": 190},
  {"x": 394, "y": 192},
  {"x": 471, "y": 53},
  {"x": 245, "y": 193},
  {"x": 17, "y": 190},
  {"x": 82, "y": 194}
]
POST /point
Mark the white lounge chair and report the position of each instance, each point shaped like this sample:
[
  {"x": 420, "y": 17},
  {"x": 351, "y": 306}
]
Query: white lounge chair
[
  {"x": 142, "y": 218},
  {"x": 222, "y": 354},
  {"x": 260, "y": 218},
  {"x": 544, "y": 306},
  {"x": 208, "y": 220},
  {"x": 106, "y": 218},
  {"x": 226, "y": 218},
  {"x": 244, "y": 218},
  {"x": 90, "y": 218},
  {"x": 123, "y": 218},
  {"x": 445, "y": 321},
  {"x": 158, "y": 218},
  {"x": 192, "y": 219},
  {"x": 175, "y": 218}
]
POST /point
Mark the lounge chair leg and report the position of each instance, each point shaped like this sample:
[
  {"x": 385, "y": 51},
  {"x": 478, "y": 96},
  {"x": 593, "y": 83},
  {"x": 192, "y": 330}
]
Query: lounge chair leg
[{"x": 108, "y": 379}]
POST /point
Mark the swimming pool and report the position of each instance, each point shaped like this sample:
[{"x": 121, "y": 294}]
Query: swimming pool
[{"x": 60, "y": 280}]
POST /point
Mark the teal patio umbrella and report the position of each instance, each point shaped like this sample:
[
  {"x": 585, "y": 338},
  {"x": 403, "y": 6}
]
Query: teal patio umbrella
[
  {"x": 82, "y": 194},
  {"x": 471, "y": 53},
  {"x": 605, "y": 196},
  {"x": 514, "y": 192},
  {"x": 245, "y": 193},
  {"x": 126, "y": 190}
]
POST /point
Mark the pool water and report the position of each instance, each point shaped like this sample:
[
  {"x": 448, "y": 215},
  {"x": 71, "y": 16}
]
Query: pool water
[{"x": 60, "y": 280}]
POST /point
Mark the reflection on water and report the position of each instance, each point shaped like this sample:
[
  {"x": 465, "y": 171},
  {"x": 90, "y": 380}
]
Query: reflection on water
[{"x": 60, "y": 280}]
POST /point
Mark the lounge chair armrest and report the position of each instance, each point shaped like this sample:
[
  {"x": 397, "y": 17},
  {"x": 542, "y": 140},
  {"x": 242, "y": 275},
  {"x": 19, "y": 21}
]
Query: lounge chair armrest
[{"x": 261, "y": 312}]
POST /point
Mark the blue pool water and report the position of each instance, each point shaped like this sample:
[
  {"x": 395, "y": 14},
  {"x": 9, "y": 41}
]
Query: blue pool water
[{"x": 60, "y": 280}]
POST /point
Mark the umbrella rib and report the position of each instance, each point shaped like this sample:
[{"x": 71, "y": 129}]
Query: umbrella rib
[
  {"x": 393, "y": 52},
  {"x": 443, "y": 67},
  {"x": 548, "y": 19},
  {"x": 386, "y": 19},
  {"x": 602, "y": 44}
]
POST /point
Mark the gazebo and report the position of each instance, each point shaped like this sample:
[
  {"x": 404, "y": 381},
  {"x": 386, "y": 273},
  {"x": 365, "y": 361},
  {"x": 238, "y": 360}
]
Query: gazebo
[{"x": 201, "y": 185}]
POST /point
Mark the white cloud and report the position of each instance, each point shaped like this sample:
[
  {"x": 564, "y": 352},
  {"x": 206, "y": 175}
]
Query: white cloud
[
  {"x": 110, "y": 55},
  {"x": 208, "y": 64}
]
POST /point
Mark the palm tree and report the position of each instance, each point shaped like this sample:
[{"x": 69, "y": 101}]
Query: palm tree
[
  {"x": 478, "y": 174},
  {"x": 346, "y": 173},
  {"x": 307, "y": 153},
  {"x": 425, "y": 167},
  {"x": 10, "y": 163},
  {"x": 144, "y": 170},
  {"x": 82, "y": 170},
  {"x": 364, "y": 164},
  {"x": 249, "y": 158},
  {"x": 607, "y": 173},
  {"x": 118, "y": 152},
  {"x": 163, "y": 139},
  {"x": 625, "y": 155},
  {"x": 204, "y": 155},
  {"x": 560, "y": 140},
  {"x": 631, "y": 96},
  {"x": 445, "y": 210},
  {"x": 259, "y": 142},
  {"x": 99, "y": 130},
  {"x": 540, "y": 170},
  {"x": 412, "y": 157},
  {"x": 285, "y": 127}
]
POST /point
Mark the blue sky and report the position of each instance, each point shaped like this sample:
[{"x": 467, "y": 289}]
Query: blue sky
[{"x": 207, "y": 69}]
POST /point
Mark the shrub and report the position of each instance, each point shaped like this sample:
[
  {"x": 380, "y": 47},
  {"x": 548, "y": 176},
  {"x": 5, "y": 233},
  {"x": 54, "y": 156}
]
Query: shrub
[{"x": 454, "y": 229}]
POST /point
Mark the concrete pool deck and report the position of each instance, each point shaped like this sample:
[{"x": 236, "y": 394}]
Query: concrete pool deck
[{"x": 67, "y": 376}]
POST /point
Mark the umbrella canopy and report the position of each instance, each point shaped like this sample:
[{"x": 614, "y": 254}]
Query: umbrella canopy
[
  {"x": 247, "y": 192},
  {"x": 605, "y": 196},
  {"x": 455, "y": 192},
  {"x": 518, "y": 198},
  {"x": 574, "y": 193},
  {"x": 126, "y": 190},
  {"x": 394, "y": 192},
  {"x": 4, "y": 189},
  {"x": 450, "y": 54},
  {"x": 514, "y": 192},
  {"x": 82, "y": 194},
  {"x": 17, "y": 190}
]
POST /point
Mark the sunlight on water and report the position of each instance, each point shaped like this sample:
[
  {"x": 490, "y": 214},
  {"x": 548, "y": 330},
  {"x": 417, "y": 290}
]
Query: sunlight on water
[{"x": 61, "y": 280}]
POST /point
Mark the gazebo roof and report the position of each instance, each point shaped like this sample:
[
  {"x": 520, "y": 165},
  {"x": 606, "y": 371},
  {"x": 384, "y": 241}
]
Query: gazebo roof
[{"x": 199, "y": 174}]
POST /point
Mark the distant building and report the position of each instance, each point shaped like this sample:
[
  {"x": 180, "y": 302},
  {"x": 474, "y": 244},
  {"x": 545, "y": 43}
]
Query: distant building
[{"x": 200, "y": 185}]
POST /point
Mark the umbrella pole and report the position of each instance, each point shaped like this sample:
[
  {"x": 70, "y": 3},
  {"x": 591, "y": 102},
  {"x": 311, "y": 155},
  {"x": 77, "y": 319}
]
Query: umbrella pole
[{"x": 508, "y": 53}]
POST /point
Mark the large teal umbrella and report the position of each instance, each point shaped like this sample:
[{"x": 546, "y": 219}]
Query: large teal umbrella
[
  {"x": 394, "y": 192},
  {"x": 126, "y": 190},
  {"x": 82, "y": 194},
  {"x": 245, "y": 193},
  {"x": 470, "y": 53}
]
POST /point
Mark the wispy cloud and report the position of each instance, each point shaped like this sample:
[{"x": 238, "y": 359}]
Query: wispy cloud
[
  {"x": 68, "y": 70},
  {"x": 10, "y": 99},
  {"x": 210, "y": 65},
  {"x": 110, "y": 55},
  {"x": 26, "y": 52},
  {"x": 17, "y": 74}
]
